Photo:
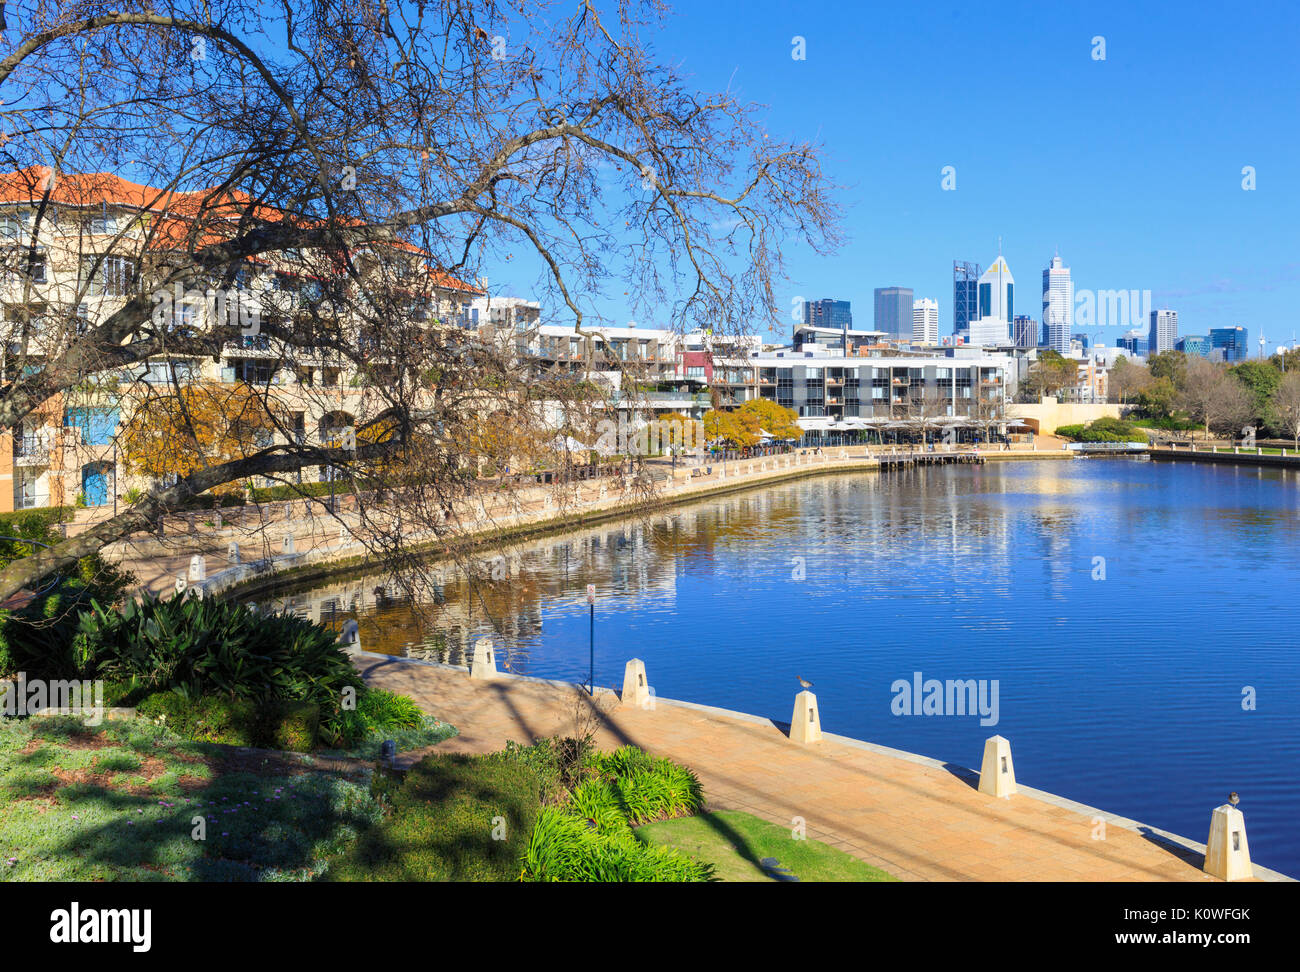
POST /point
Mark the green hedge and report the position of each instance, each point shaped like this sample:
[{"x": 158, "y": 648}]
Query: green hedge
[
  {"x": 1103, "y": 430},
  {"x": 290, "y": 726}
]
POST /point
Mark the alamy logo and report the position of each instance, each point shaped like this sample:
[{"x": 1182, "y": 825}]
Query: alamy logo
[
  {"x": 72, "y": 926},
  {"x": 233, "y": 307},
  {"x": 1111, "y": 308},
  {"x": 961, "y": 697},
  {"x": 22, "y": 697},
  {"x": 648, "y": 438}
]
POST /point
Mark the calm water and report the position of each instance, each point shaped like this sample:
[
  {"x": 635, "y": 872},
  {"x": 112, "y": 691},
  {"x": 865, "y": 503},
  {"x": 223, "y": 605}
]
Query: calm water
[{"x": 1124, "y": 691}]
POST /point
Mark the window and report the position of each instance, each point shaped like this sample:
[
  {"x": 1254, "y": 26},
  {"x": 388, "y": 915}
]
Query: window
[
  {"x": 165, "y": 371},
  {"x": 101, "y": 223},
  {"x": 12, "y": 227},
  {"x": 114, "y": 277}
]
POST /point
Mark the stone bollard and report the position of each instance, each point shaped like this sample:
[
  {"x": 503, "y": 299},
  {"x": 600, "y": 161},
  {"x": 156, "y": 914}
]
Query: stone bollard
[
  {"x": 232, "y": 552},
  {"x": 636, "y": 691},
  {"x": 806, "y": 723},
  {"x": 997, "y": 774},
  {"x": 198, "y": 568},
  {"x": 350, "y": 636},
  {"x": 1227, "y": 855},
  {"x": 219, "y": 520},
  {"x": 485, "y": 662},
  {"x": 288, "y": 544}
]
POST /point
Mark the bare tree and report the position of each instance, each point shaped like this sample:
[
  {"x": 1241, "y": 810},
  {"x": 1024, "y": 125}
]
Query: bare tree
[
  {"x": 349, "y": 172},
  {"x": 1214, "y": 398},
  {"x": 1286, "y": 404}
]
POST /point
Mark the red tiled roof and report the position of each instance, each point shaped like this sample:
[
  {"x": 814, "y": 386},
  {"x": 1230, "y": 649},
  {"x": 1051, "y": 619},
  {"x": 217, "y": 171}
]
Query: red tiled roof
[{"x": 86, "y": 189}]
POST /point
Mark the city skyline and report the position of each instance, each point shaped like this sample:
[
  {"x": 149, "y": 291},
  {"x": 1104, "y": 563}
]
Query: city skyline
[{"x": 1133, "y": 173}]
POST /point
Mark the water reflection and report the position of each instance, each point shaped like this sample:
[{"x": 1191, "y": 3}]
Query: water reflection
[{"x": 1121, "y": 690}]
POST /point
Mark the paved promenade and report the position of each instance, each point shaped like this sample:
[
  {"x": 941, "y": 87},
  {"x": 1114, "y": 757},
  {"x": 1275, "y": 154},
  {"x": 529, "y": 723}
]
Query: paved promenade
[{"x": 917, "y": 821}]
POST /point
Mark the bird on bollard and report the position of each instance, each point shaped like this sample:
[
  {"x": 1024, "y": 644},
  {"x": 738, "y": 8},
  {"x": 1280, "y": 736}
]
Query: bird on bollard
[
  {"x": 804, "y": 682},
  {"x": 1233, "y": 798}
]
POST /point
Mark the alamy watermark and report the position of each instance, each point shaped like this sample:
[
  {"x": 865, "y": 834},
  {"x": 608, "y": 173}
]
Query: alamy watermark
[
  {"x": 648, "y": 438},
  {"x": 956, "y": 696},
  {"x": 234, "y": 307},
  {"x": 23, "y": 697}
]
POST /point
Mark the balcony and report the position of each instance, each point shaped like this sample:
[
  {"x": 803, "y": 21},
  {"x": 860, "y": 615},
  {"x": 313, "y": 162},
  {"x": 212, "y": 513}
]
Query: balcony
[{"x": 30, "y": 450}]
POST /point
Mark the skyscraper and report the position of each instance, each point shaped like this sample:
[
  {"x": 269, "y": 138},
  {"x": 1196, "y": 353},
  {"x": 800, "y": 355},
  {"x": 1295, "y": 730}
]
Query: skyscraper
[
  {"x": 997, "y": 302},
  {"x": 1232, "y": 341},
  {"x": 965, "y": 296},
  {"x": 1024, "y": 332},
  {"x": 894, "y": 311},
  {"x": 1058, "y": 306},
  {"x": 1164, "y": 331},
  {"x": 828, "y": 312},
  {"x": 925, "y": 321}
]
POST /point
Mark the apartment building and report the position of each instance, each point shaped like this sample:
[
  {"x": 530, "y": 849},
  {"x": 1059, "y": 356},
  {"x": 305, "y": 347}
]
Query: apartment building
[
  {"x": 838, "y": 397},
  {"x": 73, "y": 260}
]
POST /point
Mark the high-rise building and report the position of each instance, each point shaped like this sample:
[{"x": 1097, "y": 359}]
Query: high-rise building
[
  {"x": 894, "y": 311},
  {"x": 1197, "y": 344},
  {"x": 1058, "y": 306},
  {"x": 1024, "y": 332},
  {"x": 996, "y": 305},
  {"x": 925, "y": 321},
  {"x": 1232, "y": 341},
  {"x": 1164, "y": 331},
  {"x": 1134, "y": 342},
  {"x": 965, "y": 297},
  {"x": 828, "y": 312}
]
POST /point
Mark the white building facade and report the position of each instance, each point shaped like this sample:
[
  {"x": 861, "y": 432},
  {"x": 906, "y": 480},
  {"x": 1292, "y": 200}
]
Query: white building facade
[
  {"x": 925, "y": 321},
  {"x": 1058, "y": 306}
]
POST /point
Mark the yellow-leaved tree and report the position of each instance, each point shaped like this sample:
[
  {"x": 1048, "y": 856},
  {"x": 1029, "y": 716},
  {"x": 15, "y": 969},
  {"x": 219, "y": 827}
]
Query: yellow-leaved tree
[
  {"x": 174, "y": 431},
  {"x": 778, "y": 421}
]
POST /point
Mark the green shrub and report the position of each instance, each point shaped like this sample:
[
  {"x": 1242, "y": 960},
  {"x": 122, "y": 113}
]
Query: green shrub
[
  {"x": 232, "y": 722},
  {"x": 214, "y": 647},
  {"x": 563, "y": 847},
  {"x": 295, "y": 725}
]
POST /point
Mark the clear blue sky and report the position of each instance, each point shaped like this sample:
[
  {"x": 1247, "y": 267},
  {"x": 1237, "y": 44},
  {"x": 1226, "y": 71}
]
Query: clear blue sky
[{"x": 1131, "y": 165}]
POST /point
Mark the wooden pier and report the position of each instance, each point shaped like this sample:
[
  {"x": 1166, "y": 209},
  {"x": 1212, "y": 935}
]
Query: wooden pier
[{"x": 899, "y": 460}]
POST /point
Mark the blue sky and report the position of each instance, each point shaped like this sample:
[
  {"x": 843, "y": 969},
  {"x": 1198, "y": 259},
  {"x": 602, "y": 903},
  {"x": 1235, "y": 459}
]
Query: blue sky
[{"x": 1132, "y": 166}]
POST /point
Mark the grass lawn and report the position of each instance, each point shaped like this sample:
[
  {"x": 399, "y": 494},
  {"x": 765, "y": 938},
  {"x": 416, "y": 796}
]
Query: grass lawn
[
  {"x": 738, "y": 844},
  {"x": 118, "y": 802}
]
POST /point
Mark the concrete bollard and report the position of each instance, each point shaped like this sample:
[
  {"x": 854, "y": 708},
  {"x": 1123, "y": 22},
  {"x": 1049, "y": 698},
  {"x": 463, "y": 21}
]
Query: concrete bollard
[
  {"x": 288, "y": 544},
  {"x": 350, "y": 636},
  {"x": 485, "y": 660},
  {"x": 198, "y": 568},
  {"x": 232, "y": 552},
  {"x": 997, "y": 773},
  {"x": 636, "y": 691},
  {"x": 219, "y": 520},
  {"x": 1227, "y": 855},
  {"x": 806, "y": 723}
]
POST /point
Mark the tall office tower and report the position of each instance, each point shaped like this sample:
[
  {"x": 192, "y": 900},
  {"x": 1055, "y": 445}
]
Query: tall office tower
[
  {"x": 894, "y": 311},
  {"x": 1058, "y": 306},
  {"x": 1134, "y": 342},
  {"x": 1024, "y": 332},
  {"x": 965, "y": 296},
  {"x": 1193, "y": 344},
  {"x": 997, "y": 301},
  {"x": 828, "y": 312},
  {"x": 925, "y": 321},
  {"x": 1231, "y": 341},
  {"x": 1164, "y": 331}
]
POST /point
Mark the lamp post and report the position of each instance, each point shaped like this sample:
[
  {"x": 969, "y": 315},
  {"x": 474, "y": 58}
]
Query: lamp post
[{"x": 591, "y": 640}]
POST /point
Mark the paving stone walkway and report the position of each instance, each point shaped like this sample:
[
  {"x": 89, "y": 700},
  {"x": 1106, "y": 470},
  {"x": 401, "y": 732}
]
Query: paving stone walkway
[{"x": 916, "y": 821}]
